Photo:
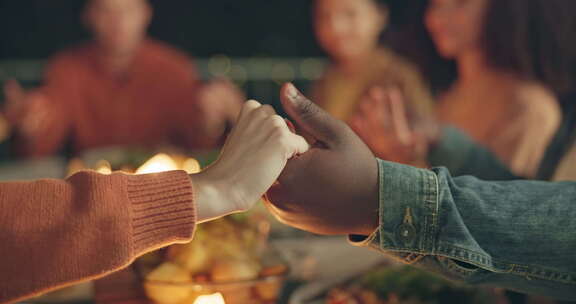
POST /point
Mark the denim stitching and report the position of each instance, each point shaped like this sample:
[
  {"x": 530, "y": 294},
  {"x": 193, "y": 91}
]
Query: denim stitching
[{"x": 495, "y": 265}]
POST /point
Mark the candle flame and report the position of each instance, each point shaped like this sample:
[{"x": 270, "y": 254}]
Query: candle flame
[
  {"x": 103, "y": 167},
  {"x": 157, "y": 164},
  {"x": 191, "y": 166},
  {"x": 216, "y": 298}
]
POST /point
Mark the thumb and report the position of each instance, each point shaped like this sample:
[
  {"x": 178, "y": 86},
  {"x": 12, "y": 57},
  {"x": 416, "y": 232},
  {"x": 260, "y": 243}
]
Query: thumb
[
  {"x": 308, "y": 116},
  {"x": 277, "y": 199}
]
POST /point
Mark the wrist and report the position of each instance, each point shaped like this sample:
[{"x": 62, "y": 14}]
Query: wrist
[
  {"x": 372, "y": 219},
  {"x": 211, "y": 197}
]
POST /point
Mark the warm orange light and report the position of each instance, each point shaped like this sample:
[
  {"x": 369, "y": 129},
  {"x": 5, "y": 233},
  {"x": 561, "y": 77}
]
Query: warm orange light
[
  {"x": 75, "y": 165},
  {"x": 216, "y": 298},
  {"x": 191, "y": 166},
  {"x": 103, "y": 167},
  {"x": 158, "y": 163}
]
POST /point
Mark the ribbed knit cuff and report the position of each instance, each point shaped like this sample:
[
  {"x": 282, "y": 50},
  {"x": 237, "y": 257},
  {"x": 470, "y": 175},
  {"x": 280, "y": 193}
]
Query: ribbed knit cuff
[{"x": 163, "y": 210}]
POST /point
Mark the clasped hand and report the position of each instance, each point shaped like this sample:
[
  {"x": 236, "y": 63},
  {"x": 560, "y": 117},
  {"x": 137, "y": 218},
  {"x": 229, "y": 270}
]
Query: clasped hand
[{"x": 319, "y": 177}]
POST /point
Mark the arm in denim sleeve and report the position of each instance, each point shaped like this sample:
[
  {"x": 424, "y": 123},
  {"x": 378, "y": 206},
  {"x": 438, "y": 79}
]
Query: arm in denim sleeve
[
  {"x": 519, "y": 235},
  {"x": 462, "y": 156}
]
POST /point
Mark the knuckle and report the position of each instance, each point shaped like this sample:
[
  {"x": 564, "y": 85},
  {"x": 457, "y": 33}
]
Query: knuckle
[
  {"x": 252, "y": 104},
  {"x": 268, "y": 107},
  {"x": 277, "y": 122},
  {"x": 280, "y": 135},
  {"x": 308, "y": 110},
  {"x": 265, "y": 111},
  {"x": 250, "y": 107},
  {"x": 282, "y": 138}
]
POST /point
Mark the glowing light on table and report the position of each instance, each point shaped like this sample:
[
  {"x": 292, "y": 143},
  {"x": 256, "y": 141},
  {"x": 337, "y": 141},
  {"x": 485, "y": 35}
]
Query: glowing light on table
[
  {"x": 157, "y": 164},
  {"x": 191, "y": 166},
  {"x": 210, "y": 299},
  {"x": 104, "y": 167}
]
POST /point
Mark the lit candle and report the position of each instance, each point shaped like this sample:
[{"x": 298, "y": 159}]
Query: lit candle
[
  {"x": 103, "y": 167},
  {"x": 157, "y": 164},
  {"x": 210, "y": 299}
]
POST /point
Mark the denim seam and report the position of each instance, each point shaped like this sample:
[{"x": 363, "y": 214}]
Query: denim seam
[
  {"x": 530, "y": 271},
  {"x": 373, "y": 243},
  {"x": 410, "y": 258},
  {"x": 413, "y": 258},
  {"x": 469, "y": 256},
  {"x": 451, "y": 265},
  {"x": 433, "y": 202},
  {"x": 381, "y": 202},
  {"x": 422, "y": 197}
]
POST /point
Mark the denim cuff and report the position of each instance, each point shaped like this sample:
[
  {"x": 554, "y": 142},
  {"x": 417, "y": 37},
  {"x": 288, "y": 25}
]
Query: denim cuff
[
  {"x": 408, "y": 213},
  {"x": 470, "y": 239}
]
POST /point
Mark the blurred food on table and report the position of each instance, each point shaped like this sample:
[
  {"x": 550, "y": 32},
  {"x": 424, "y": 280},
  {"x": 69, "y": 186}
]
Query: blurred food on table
[
  {"x": 229, "y": 256},
  {"x": 404, "y": 285}
]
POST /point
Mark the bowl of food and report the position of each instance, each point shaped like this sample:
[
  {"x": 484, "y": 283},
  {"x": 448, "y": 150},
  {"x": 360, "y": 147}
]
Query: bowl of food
[
  {"x": 229, "y": 257},
  {"x": 265, "y": 289}
]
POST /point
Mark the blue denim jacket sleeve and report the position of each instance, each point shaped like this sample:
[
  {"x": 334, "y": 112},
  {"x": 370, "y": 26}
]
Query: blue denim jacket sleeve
[
  {"x": 462, "y": 156},
  {"x": 519, "y": 235}
]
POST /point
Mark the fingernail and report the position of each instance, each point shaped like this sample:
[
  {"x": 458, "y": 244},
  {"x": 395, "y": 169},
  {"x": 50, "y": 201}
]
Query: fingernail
[
  {"x": 292, "y": 92},
  {"x": 290, "y": 125}
]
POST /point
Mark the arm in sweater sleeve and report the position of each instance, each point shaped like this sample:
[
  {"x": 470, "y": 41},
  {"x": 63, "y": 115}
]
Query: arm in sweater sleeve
[{"x": 55, "y": 233}]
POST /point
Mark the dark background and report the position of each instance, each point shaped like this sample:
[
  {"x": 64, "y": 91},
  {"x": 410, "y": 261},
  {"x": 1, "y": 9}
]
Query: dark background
[{"x": 35, "y": 29}]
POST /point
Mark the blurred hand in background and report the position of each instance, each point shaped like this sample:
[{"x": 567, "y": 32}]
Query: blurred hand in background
[
  {"x": 220, "y": 102},
  {"x": 26, "y": 111},
  {"x": 391, "y": 130}
]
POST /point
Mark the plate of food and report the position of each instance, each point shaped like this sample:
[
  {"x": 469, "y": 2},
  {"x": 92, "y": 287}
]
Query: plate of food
[{"x": 393, "y": 284}]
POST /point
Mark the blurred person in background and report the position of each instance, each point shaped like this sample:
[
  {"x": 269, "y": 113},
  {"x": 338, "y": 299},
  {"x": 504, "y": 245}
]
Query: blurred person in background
[
  {"x": 513, "y": 58},
  {"x": 122, "y": 88},
  {"x": 349, "y": 31}
]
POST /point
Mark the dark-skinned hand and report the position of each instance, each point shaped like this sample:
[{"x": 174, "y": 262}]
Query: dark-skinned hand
[{"x": 333, "y": 188}]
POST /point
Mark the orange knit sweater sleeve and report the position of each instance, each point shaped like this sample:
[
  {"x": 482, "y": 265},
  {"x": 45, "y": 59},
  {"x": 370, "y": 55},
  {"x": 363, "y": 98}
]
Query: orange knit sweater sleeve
[{"x": 55, "y": 233}]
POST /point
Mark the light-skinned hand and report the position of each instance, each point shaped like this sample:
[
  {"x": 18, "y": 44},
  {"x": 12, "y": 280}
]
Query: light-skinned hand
[{"x": 253, "y": 157}]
